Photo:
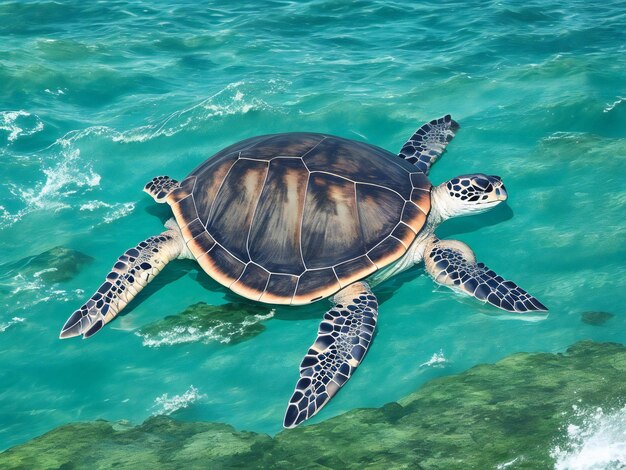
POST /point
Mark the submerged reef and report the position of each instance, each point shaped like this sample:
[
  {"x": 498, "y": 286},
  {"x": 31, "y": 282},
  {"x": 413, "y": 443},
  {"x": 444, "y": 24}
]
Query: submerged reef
[
  {"x": 504, "y": 415},
  {"x": 55, "y": 265},
  {"x": 200, "y": 322},
  {"x": 595, "y": 318}
]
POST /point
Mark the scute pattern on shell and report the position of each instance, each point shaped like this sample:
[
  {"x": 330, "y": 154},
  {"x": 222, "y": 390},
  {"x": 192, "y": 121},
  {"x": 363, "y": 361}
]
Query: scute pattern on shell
[{"x": 293, "y": 218}]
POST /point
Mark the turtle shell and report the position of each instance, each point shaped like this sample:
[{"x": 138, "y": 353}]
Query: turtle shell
[{"x": 293, "y": 218}]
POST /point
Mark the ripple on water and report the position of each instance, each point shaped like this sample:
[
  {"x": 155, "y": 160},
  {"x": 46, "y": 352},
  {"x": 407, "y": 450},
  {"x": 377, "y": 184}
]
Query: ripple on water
[
  {"x": 166, "y": 405},
  {"x": 112, "y": 211},
  {"x": 65, "y": 174},
  {"x": 236, "y": 98},
  {"x": 13, "y": 321},
  {"x": 128, "y": 90}
]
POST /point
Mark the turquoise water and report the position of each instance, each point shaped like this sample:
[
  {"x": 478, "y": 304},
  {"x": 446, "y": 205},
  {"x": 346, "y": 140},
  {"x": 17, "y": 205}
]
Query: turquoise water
[{"x": 97, "y": 98}]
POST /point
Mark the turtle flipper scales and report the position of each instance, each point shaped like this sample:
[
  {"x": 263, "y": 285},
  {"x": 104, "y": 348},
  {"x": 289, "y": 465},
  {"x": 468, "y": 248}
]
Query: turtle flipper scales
[
  {"x": 131, "y": 273},
  {"x": 159, "y": 187},
  {"x": 452, "y": 264},
  {"x": 343, "y": 339},
  {"x": 428, "y": 143}
]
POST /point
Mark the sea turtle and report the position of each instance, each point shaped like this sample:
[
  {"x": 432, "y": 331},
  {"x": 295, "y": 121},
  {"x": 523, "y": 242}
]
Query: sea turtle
[{"x": 298, "y": 217}]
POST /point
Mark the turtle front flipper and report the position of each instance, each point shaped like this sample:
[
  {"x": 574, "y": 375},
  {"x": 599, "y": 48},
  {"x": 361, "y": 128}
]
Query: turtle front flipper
[
  {"x": 452, "y": 263},
  {"x": 132, "y": 272},
  {"x": 428, "y": 143},
  {"x": 342, "y": 341},
  {"x": 160, "y": 186}
]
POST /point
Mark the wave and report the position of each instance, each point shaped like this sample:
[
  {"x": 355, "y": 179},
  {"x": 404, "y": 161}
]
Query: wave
[
  {"x": 166, "y": 405},
  {"x": 21, "y": 292},
  {"x": 610, "y": 106},
  {"x": 236, "y": 98},
  {"x": 67, "y": 174},
  {"x": 595, "y": 440},
  {"x": 10, "y": 323},
  {"x": 115, "y": 211}
]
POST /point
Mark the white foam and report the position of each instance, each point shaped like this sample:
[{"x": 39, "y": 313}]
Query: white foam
[
  {"x": 10, "y": 323},
  {"x": 595, "y": 440},
  {"x": 93, "y": 205},
  {"x": 502, "y": 466},
  {"x": 233, "y": 99},
  {"x": 115, "y": 211},
  {"x": 61, "y": 180},
  {"x": 120, "y": 210},
  {"x": 19, "y": 123},
  {"x": 58, "y": 91},
  {"x": 43, "y": 271},
  {"x": 181, "y": 335},
  {"x": 66, "y": 174},
  {"x": 21, "y": 284},
  {"x": 438, "y": 360},
  {"x": 164, "y": 405},
  {"x": 7, "y": 218},
  {"x": 25, "y": 292}
]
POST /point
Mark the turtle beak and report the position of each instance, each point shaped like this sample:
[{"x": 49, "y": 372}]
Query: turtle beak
[{"x": 501, "y": 194}]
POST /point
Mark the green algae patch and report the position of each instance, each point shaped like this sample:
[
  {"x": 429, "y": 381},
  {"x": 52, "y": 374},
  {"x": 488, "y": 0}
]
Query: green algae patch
[
  {"x": 58, "y": 264},
  {"x": 228, "y": 324},
  {"x": 595, "y": 318},
  {"x": 158, "y": 443},
  {"x": 512, "y": 412}
]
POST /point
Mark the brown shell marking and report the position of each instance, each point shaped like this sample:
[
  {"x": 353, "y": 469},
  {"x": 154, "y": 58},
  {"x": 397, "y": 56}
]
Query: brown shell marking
[
  {"x": 279, "y": 212},
  {"x": 330, "y": 223},
  {"x": 235, "y": 204},
  {"x": 292, "y": 218},
  {"x": 379, "y": 212}
]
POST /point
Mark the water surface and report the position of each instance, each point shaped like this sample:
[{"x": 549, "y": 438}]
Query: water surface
[{"x": 96, "y": 98}]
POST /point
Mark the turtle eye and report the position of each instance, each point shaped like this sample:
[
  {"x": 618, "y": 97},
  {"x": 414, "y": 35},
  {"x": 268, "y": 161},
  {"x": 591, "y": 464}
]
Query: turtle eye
[{"x": 481, "y": 182}]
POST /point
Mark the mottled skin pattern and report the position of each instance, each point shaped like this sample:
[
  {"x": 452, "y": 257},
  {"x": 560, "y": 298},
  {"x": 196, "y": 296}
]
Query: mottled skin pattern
[
  {"x": 429, "y": 142},
  {"x": 160, "y": 186},
  {"x": 467, "y": 188},
  {"x": 294, "y": 218},
  {"x": 131, "y": 273},
  {"x": 342, "y": 341},
  {"x": 453, "y": 264}
]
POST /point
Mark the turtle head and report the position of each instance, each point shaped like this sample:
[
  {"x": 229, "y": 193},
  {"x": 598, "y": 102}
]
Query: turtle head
[{"x": 469, "y": 194}]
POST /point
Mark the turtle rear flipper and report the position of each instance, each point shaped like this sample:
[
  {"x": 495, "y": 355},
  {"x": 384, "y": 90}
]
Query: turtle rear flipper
[
  {"x": 343, "y": 338},
  {"x": 159, "y": 187},
  {"x": 132, "y": 272}
]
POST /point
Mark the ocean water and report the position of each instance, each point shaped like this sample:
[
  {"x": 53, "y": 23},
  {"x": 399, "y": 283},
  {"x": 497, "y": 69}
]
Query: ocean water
[{"x": 96, "y": 98}]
